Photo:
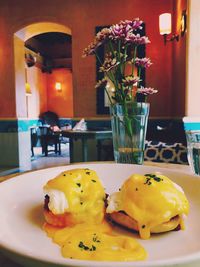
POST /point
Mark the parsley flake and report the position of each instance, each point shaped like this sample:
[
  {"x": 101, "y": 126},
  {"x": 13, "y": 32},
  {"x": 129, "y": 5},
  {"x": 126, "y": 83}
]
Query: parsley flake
[
  {"x": 79, "y": 184},
  {"x": 94, "y": 181},
  {"x": 84, "y": 247},
  {"x": 95, "y": 239},
  {"x": 150, "y": 176}
]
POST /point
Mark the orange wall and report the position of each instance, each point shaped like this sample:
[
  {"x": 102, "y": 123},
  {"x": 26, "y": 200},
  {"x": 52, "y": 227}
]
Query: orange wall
[
  {"x": 38, "y": 99},
  {"x": 44, "y": 96},
  {"x": 60, "y": 102},
  {"x": 82, "y": 17}
]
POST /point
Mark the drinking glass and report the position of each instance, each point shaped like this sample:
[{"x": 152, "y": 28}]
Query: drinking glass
[{"x": 193, "y": 147}]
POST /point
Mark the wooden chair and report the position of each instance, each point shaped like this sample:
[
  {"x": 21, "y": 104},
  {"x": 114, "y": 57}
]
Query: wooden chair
[
  {"x": 49, "y": 138},
  {"x": 45, "y": 137}
]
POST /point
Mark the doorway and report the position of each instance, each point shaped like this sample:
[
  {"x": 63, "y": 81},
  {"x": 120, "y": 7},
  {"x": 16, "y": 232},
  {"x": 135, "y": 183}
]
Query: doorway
[{"x": 39, "y": 65}]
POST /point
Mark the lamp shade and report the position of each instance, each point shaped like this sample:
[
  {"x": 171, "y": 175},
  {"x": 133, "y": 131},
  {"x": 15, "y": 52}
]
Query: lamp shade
[
  {"x": 165, "y": 24},
  {"x": 58, "y": 86}
]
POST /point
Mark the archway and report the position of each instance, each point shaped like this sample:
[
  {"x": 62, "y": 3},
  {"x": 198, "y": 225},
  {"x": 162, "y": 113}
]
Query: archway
[{"x": 20, "y": 37}]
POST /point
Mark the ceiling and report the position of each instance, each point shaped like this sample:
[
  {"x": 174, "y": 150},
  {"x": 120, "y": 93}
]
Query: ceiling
[{"x": 55, "y": 49}]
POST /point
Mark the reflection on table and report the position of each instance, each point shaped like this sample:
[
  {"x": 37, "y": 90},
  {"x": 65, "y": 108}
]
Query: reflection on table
[{"x": 98, "y": 135}]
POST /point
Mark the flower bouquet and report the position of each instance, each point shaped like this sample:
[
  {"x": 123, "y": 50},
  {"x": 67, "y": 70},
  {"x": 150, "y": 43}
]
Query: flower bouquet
[{"x": 122, "y": 83}]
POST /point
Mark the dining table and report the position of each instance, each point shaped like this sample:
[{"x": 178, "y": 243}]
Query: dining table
[
  {"x": 7, "y": 262},
  {"x": 84, "y": 135}
]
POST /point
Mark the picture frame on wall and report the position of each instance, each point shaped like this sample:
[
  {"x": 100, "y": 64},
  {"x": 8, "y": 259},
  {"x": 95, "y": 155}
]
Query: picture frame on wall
[{"x": 102, "y": 107}]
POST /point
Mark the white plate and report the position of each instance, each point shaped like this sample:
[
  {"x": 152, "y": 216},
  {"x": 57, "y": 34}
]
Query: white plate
[{"x": 21, "y": 236}]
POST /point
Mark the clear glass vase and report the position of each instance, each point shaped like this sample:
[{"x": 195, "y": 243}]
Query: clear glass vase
[{"x": 129, "y": 125}]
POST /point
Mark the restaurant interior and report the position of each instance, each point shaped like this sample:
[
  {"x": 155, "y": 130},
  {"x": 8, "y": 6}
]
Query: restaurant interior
[
  {"x": 43, "y": 74},
  {"x": 85, "y": 182}
]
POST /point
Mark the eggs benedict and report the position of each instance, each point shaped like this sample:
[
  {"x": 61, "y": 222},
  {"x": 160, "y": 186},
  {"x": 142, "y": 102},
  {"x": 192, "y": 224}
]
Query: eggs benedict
[
  {"x": 148, "y": 203},
  {"x": 74, "y": 212},
  {"x": 74, "y": 196}
]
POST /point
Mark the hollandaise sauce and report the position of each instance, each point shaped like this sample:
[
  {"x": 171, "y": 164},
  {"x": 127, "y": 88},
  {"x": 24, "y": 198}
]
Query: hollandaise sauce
[
  {"x": 152, "y": 200},
  {"x": 95, "y": 242},
  {"x": 78, "y": 192}
]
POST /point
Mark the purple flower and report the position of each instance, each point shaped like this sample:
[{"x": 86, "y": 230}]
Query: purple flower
[
  {"x": 146, "y": 91},
  {"x": 143, "y": 62},
  {"x": 101, "y": 83},
  {"x": 136, "y": 39},
  {"x": 109, "y": 64},
  {"x": 136, "y": 24},
  {"x": 119, "y": 31},
  {"x": 90, "y": 50},
  {"x": 102, "y": 36},
  {"x": 124, "y": 28},
  {"x": 130, "y": 81}
]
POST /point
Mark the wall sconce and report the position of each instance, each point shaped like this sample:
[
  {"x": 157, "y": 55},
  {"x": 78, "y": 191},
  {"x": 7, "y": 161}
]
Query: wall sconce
[
  {"x": 58, "y": 86},
  {"x": 165, "y": 27},
  {"x": 28, "y": 89}
]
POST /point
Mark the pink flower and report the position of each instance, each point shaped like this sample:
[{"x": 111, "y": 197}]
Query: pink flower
[
  {"x": 136, "y": 39},
  {"x": 101, "y": 83},
  {"x": 143, "y": 62},
  {"x": 130, "y": 80},
  {"x": 109, "y": 64},
  {"x": 146, "y": 91},
  {"x": 124, "y": 28},
  {"x": 90, "y": 50},
  {"x": 136, "y": 24},
  {"x": 102, "y": 36},
  {"x": 119, "y": 31}
]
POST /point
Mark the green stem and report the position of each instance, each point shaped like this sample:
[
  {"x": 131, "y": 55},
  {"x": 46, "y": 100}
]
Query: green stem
[
  {"x": 134, "y": 56},
  {"x": 111, "y": 48},
  {"x": 97, "y": 56},
  {"x": 119, "y": 57},
  {"x": 109, "y": 98},
  {"x": 139, "y": 74},
  {"x": 125, "y": 54}
]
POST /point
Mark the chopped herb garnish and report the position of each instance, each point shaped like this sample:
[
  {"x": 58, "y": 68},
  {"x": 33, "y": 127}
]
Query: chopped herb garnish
[
  {"x": 93, "y": 248},
  {"x": 136, "y": 189},
  {"x": 84, "y": 247},
  {"x": 81, "y": 203},
  {"x": 78, "y": 184},
  {"x": 88, "y": 173},
  {"x": 148, "y": 182},
  {"x": 81, "y": 245},
  {"x": 64, "y": 174},
  {"x": 81, "y": 191},
  {"x": 95, "y": 238},
  {"x": 152, "y": 176},
  {"x": 143, "y": 226},
  {"x": 158, "y": 179},
  {"x": 94, "y": 181}
]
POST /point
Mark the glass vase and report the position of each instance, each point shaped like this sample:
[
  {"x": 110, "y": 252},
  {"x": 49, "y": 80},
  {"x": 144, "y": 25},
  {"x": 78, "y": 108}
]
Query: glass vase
[{"x": 129, "y": 125}]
